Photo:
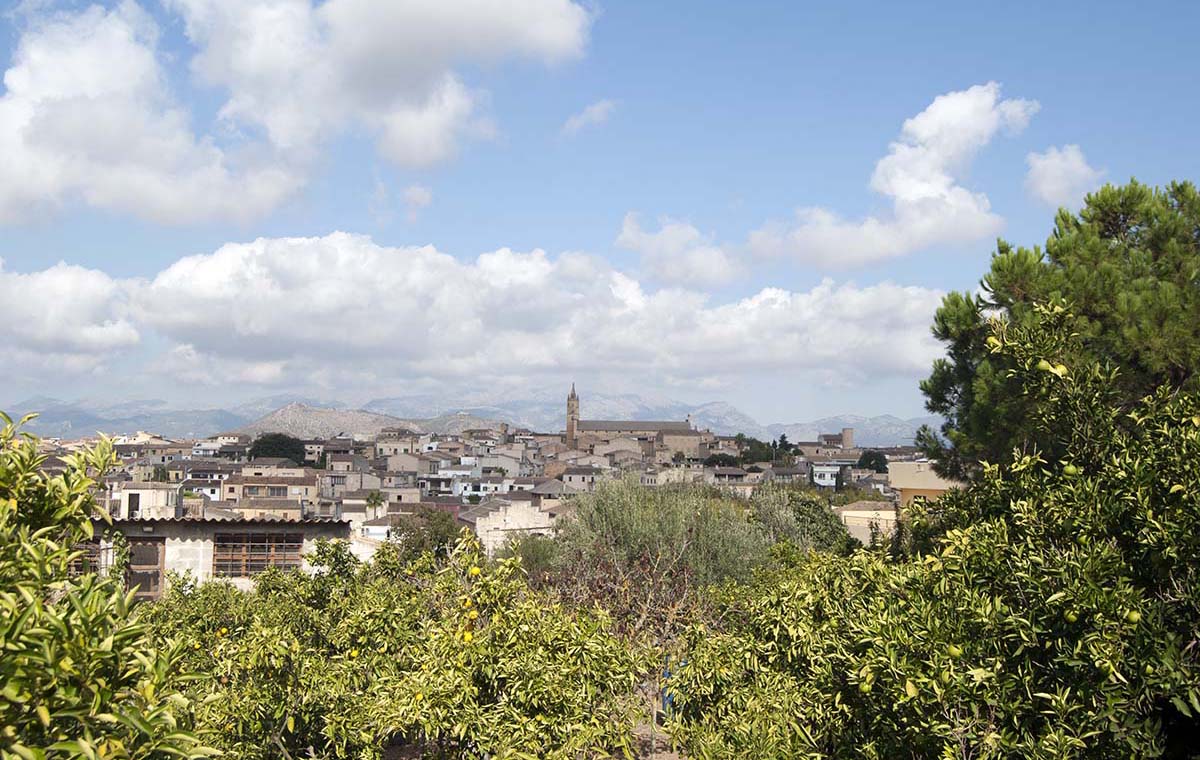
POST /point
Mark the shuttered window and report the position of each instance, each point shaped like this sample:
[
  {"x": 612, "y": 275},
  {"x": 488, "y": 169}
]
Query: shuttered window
[{"x": 240, "y": 555}]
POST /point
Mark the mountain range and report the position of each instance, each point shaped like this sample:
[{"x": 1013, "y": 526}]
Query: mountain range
[{"x": 539, "y": 410}]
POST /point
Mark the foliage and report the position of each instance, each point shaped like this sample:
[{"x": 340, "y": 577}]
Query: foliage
[
  {"x": 754, "y": 450},
  {"x": 1127, "y": 265},
  {"x": 721, "y": 460},
  {"x": 645, "y": 554},
  {"x": 454, "y": 658},
  {"x": 428, "y": 529},
  {"x": 800, "y": 517},
  {"x": 873, "y": 460},
  {"x": 160, "y": 474},
  {"x": 1054, "y": 614},
  {"x": 278, "y": 445},
  {"x": 79, "y": 679},
  {"x": 538, "y": 555}
]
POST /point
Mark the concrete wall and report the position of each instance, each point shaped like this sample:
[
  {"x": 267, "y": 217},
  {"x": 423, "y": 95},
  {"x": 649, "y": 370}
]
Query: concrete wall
[
  {"x": 495, "y": 528},
  {"x": 188, "y": 545}
]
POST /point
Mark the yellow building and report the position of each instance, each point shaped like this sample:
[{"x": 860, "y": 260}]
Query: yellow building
[{"x": 916, "y": 481}]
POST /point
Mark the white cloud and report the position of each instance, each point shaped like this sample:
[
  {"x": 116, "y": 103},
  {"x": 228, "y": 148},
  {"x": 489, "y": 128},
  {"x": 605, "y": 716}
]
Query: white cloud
[
  {"x": 921, "y": 174},
  {"x": 302, "y": 71},
  {"x": 87, "y": 114},
  {"x": 1061, "y": 176},
  {"x": 416, "y": 197},
  {"x": 344, "y": 309},
  {"x": 596, "y": 113},
  {"x": 678, "y": 253},
  {"x": 65, "y": 318}
]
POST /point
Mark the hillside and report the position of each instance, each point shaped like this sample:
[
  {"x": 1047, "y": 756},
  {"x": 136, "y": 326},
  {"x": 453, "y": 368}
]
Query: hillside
[
  {"x": 537, "y": 409},
  {"x": 304, "y": 421}
]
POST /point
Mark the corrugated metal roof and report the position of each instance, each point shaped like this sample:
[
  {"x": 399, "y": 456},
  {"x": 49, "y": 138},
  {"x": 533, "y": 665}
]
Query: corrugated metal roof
[{"x": 228, "y": 520}]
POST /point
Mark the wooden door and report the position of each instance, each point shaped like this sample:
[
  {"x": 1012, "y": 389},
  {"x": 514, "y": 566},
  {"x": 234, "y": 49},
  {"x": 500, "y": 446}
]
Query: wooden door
[{"x": 146, "y": 557}]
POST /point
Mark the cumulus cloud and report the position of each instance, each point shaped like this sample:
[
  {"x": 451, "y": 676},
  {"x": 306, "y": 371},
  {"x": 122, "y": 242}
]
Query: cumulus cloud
[
  {"x": 65, "y": 318},
  {"x": 1061, "y": 176},
  {"x": 87, "y": 114},
  {"x": 678, "y": 253},
  {"x": 88, "y": 111},
  {"x": 596, "y": 113},
  {"x": 301, "y": 70},
  {"x": 343, "y": 308},
  {"x": 921, "y": 174}
]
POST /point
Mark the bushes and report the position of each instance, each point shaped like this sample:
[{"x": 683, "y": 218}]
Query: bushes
[
  {"x": 455, "y": 657},
  {"x": 646, "y": 554},
  {"x": 79, "y": 679},
  {"x": 800, "y": 517},
  {"x": 1054, "y": 612}
]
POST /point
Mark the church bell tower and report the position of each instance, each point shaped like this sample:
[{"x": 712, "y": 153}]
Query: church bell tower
[{"x": 572, "y": 416}]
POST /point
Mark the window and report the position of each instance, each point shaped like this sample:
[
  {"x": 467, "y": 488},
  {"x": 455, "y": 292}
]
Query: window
[
  {"x": 239, "y": 555},
  {"x": 276, "y": 491},
  {"x": 92, "y": 560}
]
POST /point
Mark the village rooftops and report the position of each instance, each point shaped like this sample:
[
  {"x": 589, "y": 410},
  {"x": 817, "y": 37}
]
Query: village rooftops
[
  {"x": 148, "y": 486},
  {"x": 584, "y": 469},
  {"x": 728, "y": 471},
  {"x": 308, "y": 479},
  {"x": 650, "y": 426},
  {"x": 232, "y": 520},
  {"x": 273, "y": 462}
]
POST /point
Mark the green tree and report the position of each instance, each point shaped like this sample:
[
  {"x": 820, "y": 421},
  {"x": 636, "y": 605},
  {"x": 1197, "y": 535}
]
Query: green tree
[
  {"x": 160, "y": 474},
  {"x": 538, "y": 555},
  {"x": 451, "y": 657},
  {"x": 1126, "y": 265},
  {"x": 647, "y": 554},
  {"x": 754, "y": 450},
  {"x": 873, "y": 460},
  {"x": 721, "y": 460},
  {"x": 428, "y": 529},
  {"x": 375, "y": 500},
  {"x": 800, "y": 517},
  {"x": 1051, "y": 614},
  {"x": 80, "y": 679},
  {"x": 278, "y": 445}
]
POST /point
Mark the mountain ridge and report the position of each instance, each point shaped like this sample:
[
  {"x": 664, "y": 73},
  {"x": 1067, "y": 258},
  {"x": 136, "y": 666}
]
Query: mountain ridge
[{"x": 540, "y": 410}]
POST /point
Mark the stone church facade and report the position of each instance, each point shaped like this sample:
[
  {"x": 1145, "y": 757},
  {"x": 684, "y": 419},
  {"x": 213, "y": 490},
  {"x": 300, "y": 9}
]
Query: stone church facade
[{"x": 655, "y": 440}]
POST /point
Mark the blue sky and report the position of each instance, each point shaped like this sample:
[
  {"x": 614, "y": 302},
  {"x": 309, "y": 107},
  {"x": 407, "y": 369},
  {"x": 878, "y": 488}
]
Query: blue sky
[{"x": 721, "y": 121}]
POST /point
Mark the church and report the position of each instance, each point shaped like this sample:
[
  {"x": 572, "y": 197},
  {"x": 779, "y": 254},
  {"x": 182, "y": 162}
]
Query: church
[{"x": 656, "y": 440}]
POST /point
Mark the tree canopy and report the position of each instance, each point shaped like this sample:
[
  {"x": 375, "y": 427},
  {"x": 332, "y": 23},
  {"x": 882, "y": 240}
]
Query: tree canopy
[
  {"x": 1127, "y": 266},
  {"x": 873, "y": 460},
  {"x": 81, "y": 677},
  {"x": 278, "y": 445},
  {"x": 1051, "y": 609}
]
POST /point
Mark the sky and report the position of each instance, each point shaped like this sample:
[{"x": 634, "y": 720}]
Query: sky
[{"x": 760, "y": 203}]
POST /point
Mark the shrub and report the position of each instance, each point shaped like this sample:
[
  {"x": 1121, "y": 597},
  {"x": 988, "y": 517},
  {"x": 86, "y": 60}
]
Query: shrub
[
  {"x": 454, "y": 657},
  {"x": 645, "y": 554},
  {"x": 79, "y": 679},
  {"x": 1053, "y": 613}
]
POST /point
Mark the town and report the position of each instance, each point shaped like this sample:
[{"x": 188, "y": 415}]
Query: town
[{"x": 213, "y": 509}]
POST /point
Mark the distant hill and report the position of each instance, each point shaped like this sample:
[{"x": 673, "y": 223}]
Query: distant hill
[
  {"x": 883, "y": 430},
  {"x": 545, "y": 410},
  {"x": 62, "y": 419},
  {"x": 304, "y": 421},
  {"x": 542, "y": 410}
]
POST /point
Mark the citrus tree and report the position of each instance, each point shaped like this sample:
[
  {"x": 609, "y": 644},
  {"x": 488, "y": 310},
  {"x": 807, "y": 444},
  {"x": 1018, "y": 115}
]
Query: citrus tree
[
  {"x": 452, "y": 657},
  {"x": 79, "y": 677},
  {"x": 1054, "y": 612}
]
